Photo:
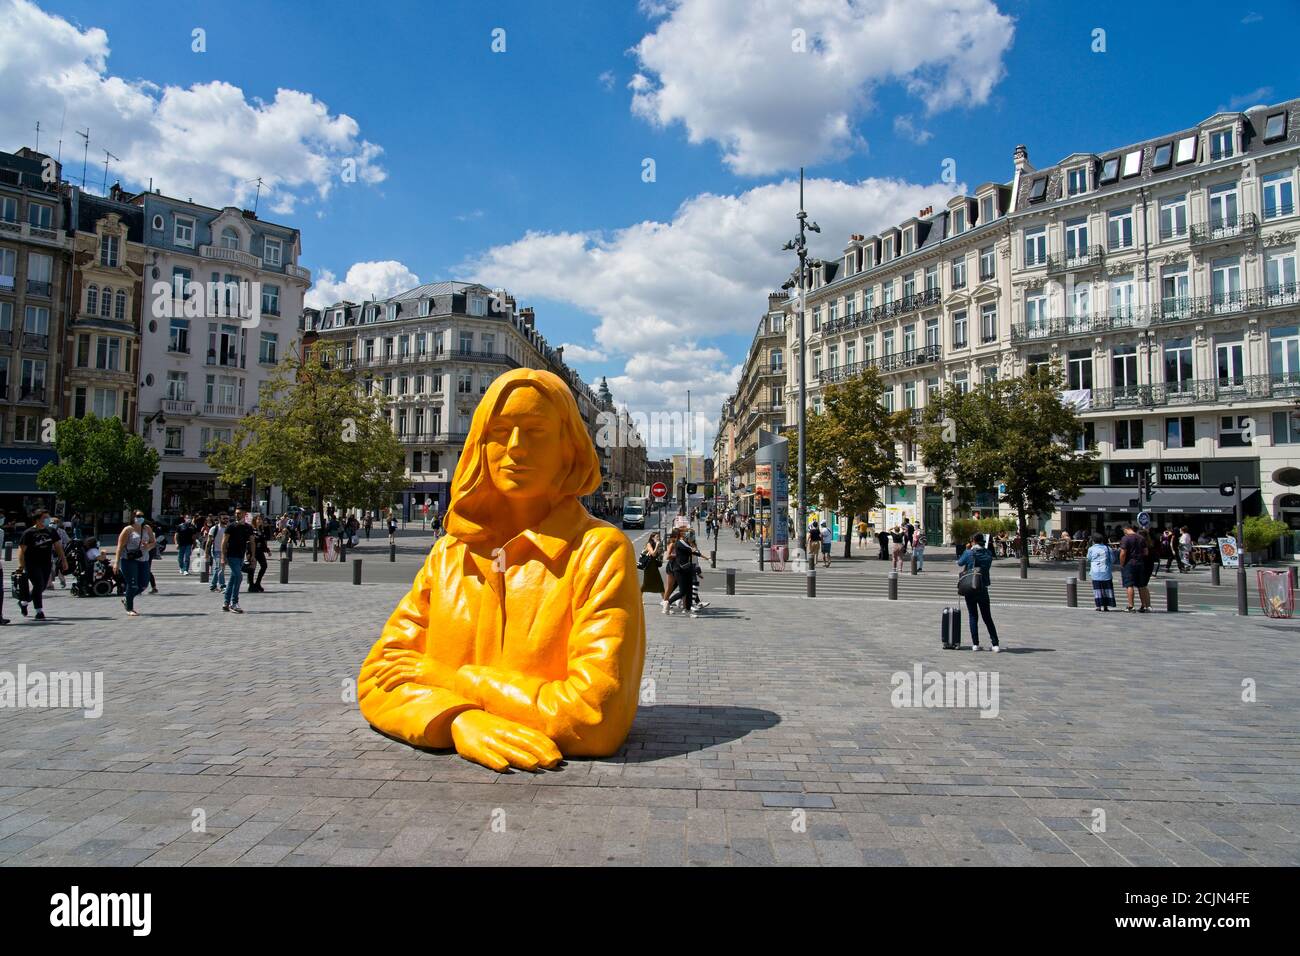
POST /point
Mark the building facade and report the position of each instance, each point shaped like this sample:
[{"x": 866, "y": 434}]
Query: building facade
[
  {"x": 760, "y": 401},
  {"x": 622, "y": 452},
  {"x": 35, "y": 290},
  {"x": 101, "y": 350},
  {"x": 1159, "y": 277},
  {"x": 431, "y": 352},
  {"x": 223, "y": 293}
]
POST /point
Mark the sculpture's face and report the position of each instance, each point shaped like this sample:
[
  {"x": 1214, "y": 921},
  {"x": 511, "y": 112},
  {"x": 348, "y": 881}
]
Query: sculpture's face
[{"x": 525, "y": 452}]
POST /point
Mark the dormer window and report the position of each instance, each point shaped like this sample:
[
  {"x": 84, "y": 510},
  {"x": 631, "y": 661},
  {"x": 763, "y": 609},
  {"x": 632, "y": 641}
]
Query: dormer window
[
  {"x": 229, "y": 238},
  {"x": 338, "y": 318},
  {"x": 1275, "y": 128},
  {"x": 907, "y": 241},
  {"x": 1038, "y": 190},
  {"x": 889, "y": 249},
  {"x": 1109, "y": 170},
  {"x": 108, "y": 246},
  {"x": 424, "y": 307},
  {"x": 1076, "y": 181},
  {"x": 959, "y": 220},
  {"x": 1163, "y": 158},
  {"x": 274, "y": 253},
  {"x": 987, "y": 212},
  {"x": 1186, "y": 151},
  {"x": 1222, "y": 144},
  {"x": 392, "y": 311}
]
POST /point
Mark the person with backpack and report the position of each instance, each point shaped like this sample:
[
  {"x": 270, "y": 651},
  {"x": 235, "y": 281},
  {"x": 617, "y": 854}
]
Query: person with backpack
[
  {"x": 814, "y": 542},
  {"x": 1133, "y": 568},
  {"x": 973, "y": 584},
  {"x": 1101, "y": 563}
]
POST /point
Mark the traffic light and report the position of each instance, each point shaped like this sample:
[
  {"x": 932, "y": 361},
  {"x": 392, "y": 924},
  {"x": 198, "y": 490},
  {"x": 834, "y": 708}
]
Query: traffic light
[{"x": 692, "y": 488}]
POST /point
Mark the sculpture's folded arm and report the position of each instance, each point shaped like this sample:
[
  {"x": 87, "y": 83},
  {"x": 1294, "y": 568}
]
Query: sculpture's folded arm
[
  {"x": 419, "y": 712},
  {"x": 590, "y": 712}
]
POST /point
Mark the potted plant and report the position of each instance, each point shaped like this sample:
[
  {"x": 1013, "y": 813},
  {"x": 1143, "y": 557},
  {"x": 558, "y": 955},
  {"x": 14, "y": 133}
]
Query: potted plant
[{"x": 1260, "y": 532}]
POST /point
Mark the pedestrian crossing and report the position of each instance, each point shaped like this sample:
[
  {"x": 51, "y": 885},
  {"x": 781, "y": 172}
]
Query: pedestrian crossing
[{"x": 1039, "y": 589}]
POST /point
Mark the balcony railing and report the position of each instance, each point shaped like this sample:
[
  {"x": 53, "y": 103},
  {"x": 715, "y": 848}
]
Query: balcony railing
[
  {"x": 23, "y": 230},
  {"x": 222, "y": 254},
  {"x": 1197, "y": 392},
  {"x": 220, "y": 410},
  {"x": 6, "y": 336},
  {"x": 1088, "y": 258},
  {"x": 36, "y": 287},
  {"x": 1168, "y": 312},
  {"x": 36, "y": 342},
  {"x": 31, "y": 393},
  {"x": 177, "y": 406},
  {"x": 432, "y": 438},
  {"x": 885, "y": 363},
  {"x": 1224, "y": 228}
]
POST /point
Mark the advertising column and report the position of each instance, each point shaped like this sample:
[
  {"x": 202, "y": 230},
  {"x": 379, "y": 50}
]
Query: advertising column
[{"x": 771, "y": 461}]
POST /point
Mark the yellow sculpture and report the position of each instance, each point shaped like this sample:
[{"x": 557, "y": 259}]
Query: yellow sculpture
[{"x": 523, "y": 636}]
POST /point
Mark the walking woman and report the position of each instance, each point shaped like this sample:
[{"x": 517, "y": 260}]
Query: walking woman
[
  {"x": 670, "y": 567},
  {"x": 896, "y": 538},
  {"x": 1101, "y": 562},
  {"x": 973, "y": 559},
  {"x": 652, "y": 558},
  {"x": 132, "y": 563},
  {"x": 261, "y": 548},
  {"x": 918, "y": 548}
]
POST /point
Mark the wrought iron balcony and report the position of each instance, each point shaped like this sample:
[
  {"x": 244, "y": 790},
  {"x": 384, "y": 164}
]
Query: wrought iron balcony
[
  {"x": 925, "y": 355},
  {"x": 1088, "y": 258},
  {"x": 1197, "y": 392},
  {"x": 1224, "y": 228}
]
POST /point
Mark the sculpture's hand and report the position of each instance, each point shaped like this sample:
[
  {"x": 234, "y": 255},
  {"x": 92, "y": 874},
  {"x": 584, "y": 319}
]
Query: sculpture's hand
[
  {"x": 410, "y": 667},
  {"x": 498, "y": 743}
]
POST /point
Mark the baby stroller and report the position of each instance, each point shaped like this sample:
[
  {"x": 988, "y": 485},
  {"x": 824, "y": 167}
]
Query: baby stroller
[{"x": 94, "y": 576}]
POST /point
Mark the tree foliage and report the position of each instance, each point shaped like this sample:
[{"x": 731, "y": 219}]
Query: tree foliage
[
  {"x": 318, "y": 436},
  {"x": 101, "y": 466},
  {"x": 1016, "y": 432},
  {"x": 850, "y": 446}
]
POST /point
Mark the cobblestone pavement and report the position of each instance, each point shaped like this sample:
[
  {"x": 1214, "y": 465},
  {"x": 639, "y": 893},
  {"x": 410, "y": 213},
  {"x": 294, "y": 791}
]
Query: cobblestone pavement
[{"x": 771, "y": 739}]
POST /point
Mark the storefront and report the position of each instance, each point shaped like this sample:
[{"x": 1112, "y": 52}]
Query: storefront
[
  {"x": 1185, "y": 494},
  {"x": 436, "y": 493},
  {"x": 200, "y": 494},
  {"x": 19, "y": 496}
]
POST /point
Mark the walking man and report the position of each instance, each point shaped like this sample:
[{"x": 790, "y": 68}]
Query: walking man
[
  {"x": 1134, "y": 569},
  {"x": 236, "y": 549},
  {"x": 184, "y": 543}
]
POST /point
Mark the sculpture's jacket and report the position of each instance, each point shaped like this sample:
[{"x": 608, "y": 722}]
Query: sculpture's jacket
[{"x": 548, "y": 630}]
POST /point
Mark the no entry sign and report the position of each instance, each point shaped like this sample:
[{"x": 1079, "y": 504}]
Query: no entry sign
[{"x": 659, "y": 490}]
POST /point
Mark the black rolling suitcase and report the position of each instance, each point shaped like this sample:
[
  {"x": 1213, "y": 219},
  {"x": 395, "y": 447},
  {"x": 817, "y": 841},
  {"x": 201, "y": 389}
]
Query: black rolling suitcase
[{"x": 953, "y": 618}]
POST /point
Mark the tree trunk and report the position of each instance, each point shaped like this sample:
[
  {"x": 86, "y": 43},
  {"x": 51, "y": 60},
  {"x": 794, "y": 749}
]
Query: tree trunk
[{"x": 1024, "y": 542}]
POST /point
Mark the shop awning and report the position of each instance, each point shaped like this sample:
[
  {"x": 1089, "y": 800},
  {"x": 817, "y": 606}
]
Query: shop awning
[
  {"x": 1103, "y": 500},
  {"x": 1197, "y": 501}
]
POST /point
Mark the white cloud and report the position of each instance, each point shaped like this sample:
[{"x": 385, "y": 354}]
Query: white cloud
[
  {"x": 729, "y": 71},
  {"x": 660, "y": 289},
  {"x": 1252, "y": 17},
  {"x": 1260, "y": 95},
  {"x": 365, "y": 280},
  {"x": 606, "y": 80},
  {"x": 207, "y": 141},
  {"x": 906, "y": 127},
  {"x": 581, "y": 353}
]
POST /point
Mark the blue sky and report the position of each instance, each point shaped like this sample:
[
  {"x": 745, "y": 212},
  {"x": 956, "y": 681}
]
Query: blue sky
[{"x": 524, "y": 168}]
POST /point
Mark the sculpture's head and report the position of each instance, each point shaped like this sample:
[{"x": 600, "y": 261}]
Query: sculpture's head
[{"x": 527, "y": 440}]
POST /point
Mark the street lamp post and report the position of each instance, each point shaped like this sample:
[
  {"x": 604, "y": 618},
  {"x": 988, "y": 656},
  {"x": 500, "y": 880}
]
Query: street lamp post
[{"x": 800, "y": 246}]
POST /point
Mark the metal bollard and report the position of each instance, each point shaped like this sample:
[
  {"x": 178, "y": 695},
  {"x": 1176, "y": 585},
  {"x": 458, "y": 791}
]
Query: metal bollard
[
  {"x": 760, "y": 558},
  {"x": 812, "y": 583},
  {"x": 713, "y": 559},
  {"x": 284, "y": 570},
  {"x": 1295, "y": 576},
  {"x": 343, "y": 550},
  {"x": 1171, "y": 595},
  {"x": 392, "y": 552},
  {"x": 9, "y": 551},
  {"x": 893, "y": 585},
  {"x": 315, "y": 545},
  {"x": 913, "y": 562},
  {"x": 356, "y": 571},
  {"x": 1083, "y": 569},
  {"x": 1214, "y": 575},
  {"x": 1071, "y": 592},
  {"x": 1243, "y": 605},
  {"x": 203, "y": 571},
  {"x": 731, "y": 580}
]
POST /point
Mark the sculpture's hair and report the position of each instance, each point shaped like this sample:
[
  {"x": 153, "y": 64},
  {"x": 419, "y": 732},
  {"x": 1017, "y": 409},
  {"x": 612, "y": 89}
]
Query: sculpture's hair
[{"x": 474, "y": 498}]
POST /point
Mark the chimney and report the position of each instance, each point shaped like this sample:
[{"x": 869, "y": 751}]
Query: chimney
[
  {"x": 776, "y": 301},
  {"x": 559, "y": 354},
  {"x": 527, "y": 315},
  {"x": 1022, "y": 160}
]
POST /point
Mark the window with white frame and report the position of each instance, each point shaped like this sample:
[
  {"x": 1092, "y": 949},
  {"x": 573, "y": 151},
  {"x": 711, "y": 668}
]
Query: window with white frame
[
  {"x": 177, "y": 385},
  {"x": 1286, "y": 428},
  {"x": 270, "y": 300},
  {"x": 40, "y": 215},
  {"x": 932, "y": 333},
  {"x": 8, "y": 209},
  {"x": 1278, "y": 194},
  {"x": 1173, "y": 217},
  {"x": 1223, "y": 202},
  {"x": 1280, "y": 274},
  {"x": 987, "y": 263},
  {"x": 988, "y": 322},
  {"x": 1076, "y": 181},
  {"x": 108, "y": 352},
  {"x": 1036, "y": 246},
  {"x": 268, "y": 352},
  {"x": 1128, "y": 433},
  {"x": 961, "y": 382},
  {"x": 1284, "y": 354},
  {"x": 959, "y": 272},
  {"x": 987, "y": 212},
  {"x": 1076, "y": 239},
  {"x": 959, "y": 329},
  {"x": 1036, "y": 313},
  {"x": 272, "y": 251},
  {"x": 1119, "y": 228},
  {"x": 1229, "y": 362},
  {"x": 229, "y": 238},
  {"x": 108, "y": 251},
  {"x": 1225, "y": 283},
  {"x": 183, "y": 233},
  {"x": 959, "y": 220},
  {"x": 36, "y": 321},
  {"x": 1222, "y": 144},
  {"x": 8, "y": 269}
]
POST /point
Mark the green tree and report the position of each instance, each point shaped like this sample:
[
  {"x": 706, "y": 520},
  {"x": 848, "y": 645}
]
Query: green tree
[
  {"x": 318, "y": 436},
  {"x": 101, "y": 467},
  {"x": 851, "y": 448},
  {"x": 1016, "y": 432}
]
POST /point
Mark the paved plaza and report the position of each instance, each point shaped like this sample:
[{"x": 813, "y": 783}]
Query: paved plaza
[{"x": 772, "y": 738}]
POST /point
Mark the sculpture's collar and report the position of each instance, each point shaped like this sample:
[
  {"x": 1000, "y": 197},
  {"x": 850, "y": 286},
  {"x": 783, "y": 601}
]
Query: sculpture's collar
[{"x": 556, "y": 532}]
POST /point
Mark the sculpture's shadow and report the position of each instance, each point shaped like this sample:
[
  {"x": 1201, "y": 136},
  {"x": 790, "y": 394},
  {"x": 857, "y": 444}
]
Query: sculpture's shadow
[{"x": 671, "y": 730}]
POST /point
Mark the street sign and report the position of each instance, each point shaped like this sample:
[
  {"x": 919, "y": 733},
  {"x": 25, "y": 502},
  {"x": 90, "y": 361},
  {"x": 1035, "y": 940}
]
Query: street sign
[
  {"x": 1144, "y": 520},
  {"x": 659, "y": 490},
  {"x": 1228, "y": 489}
]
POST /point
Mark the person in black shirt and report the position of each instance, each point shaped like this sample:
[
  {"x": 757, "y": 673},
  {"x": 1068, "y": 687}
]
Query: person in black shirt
[
  {"x": 36, "y": 550},
  {"x": 261, "y": 548},
  {"x": 185, "y": 532},
  {"x": 236, "y": 548}
]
